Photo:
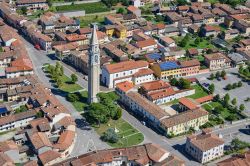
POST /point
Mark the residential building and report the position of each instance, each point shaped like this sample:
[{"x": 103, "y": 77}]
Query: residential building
[
  {"x": 217, "y": 61},
  {"x": 205, "y": 147},
  {"x": 190, "y": 67},
  {"x": 182, "y": 122},
  {"x": 49, "y": 157},
  {"x": 165, "y": 69},
  {"x": 33, "y": 4},
  {"x": 123, "y": 71},
  {"x": 147, "y": 45},
  {"x": 167, "y": 41},
  {"x": 11, "y": 149},
  {"x": 209, "y": 30},
  {"x": 245, "y": 43},
  {"x": 145, "y": 154},
  {"x": 236, "y": 160},
  {"x": 134, "y": 10},
  {"x": 40, "y": 142}
]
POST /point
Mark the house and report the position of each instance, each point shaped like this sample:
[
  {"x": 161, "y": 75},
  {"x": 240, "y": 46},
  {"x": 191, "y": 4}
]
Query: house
[
  {"x": 205, "y": 147},
  {"x": 230, "y": 34},
  {"x": 40, "y": 142},
  {"x": 197, "y": 19},
  {"x": 33, "y": 4},
  {"x": 237, "y": 59},
  {"x": 193, "y": 28},
  {"x": 245, "y": 43},
  {"x": 167, "y": 41},
  {"x": 79, "y": 39},
  {"x": 190, "y": 67},
  {"x": 16, "y": 120},
  {"x": 165, "y": 69},
  {"x": 182, "y": 10},
  {"x": 114, "y": 52},
  {"x": 63, "y": 50},
  {"x": 171, "y": 31},
  {"x": 219, "y": 15},
  {"x": 209, "y": 30},
  {"x": 217, "y": 61},
  {"x": 191, "y": 52},
  {"x": 122, "y": 71},
  {"x": 5, "y": 160},
  {"x": 236, "y": 160},
  {"x": 145, "y": 154},
  {"x": 173, "y": 18},
  {"x": 243, "y": 26},
  {"x": 79, "y": 60},
  {"x": 186, "y": 104},
  {"x": 147, "y": 45},
  {"x": 137, "y": 3},
  {"x": 11, "y": 149},
  {"x": 134, "y": 10},
  {"x": 182, "y": 122},
  {"x": 49, "y": 157}
]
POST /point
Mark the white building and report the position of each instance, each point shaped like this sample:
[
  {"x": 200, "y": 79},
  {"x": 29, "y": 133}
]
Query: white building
[
  {"x": 205, "y": 146},
  {"x": 134, "y": 71}
]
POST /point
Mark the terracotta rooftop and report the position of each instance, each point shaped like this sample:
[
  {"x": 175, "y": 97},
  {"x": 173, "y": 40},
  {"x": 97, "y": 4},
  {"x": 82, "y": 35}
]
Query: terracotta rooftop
[
  {"x": 189, "y": 63},
  {"x": 143, "y": 72},
  {"x": 189, "y": 103},
  {"x": 125, "y": 66},
  {"x": 5, "y": 160},
  {"x": 204, "y": 99},
  {"x": 184, "y": 117},
  {"x": 145, "y": 43},
  {"x": 124, "y": 86},
  {"x": 48, "y": 156},
  {"x": 162, "y": 93},
  {"x": 148, "y": 106},
  {"x": 155, "y": 85},
  {"x": 167, "y": 40},
  {"x": 132, "y": 8},
  {"x": 215, "y": 56},
  {"x": 237, "y": 160},
  {"x": 205, "y": 141},
  {"x": 209, "y": 28},
  {"x": 65, "y": 140},
  {"x": 39, "y": 140},
  {"x": 193, "y": 51}
]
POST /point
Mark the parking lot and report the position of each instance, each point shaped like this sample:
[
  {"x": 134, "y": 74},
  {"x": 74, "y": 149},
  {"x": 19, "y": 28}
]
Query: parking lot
[{"x": 240, "y": 93}]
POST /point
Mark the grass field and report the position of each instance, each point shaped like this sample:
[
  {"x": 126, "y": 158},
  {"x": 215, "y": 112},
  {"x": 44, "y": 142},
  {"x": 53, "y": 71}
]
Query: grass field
[
  {"x": 86, "y": 20},
  {"x": 199, "y": 92},
  {"x": 204, "y": 44},
  {"x": 95, "y": 7},
  {"x": 128, "y": 135},
  {"x": 67, "y": 86}
]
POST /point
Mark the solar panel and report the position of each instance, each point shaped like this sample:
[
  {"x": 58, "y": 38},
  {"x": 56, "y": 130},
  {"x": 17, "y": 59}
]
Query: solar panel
[
  {"x": 154, "y": 56},
  {"x": 3, "y": 110},
  {"x": 169, "y": 65}
]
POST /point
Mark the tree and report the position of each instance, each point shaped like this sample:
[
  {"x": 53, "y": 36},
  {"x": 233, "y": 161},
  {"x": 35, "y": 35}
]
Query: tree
[
  {"x": 217, "y": 97},
  {"x": 118, "y": 113},
  {"x": 217, "y": 74},
  {"x": 242, "y": 107},
  {"x": 121, "y": 10},
  {"x": 39, "y": 114},
  {"x": 125, "y": 2},
  {"x": 211, "y": 88},
  {"x": 211, "y": 77},
  {"x": 229, "y": 87},
  {"x": 184, "y": 83},
  {"x": 234, "y": 101},
  {"x": 182, "y": 2},
  {"x": 98, "y": 113},
  {"x": 218, "y": 109},
  {"x": 237, "y": 144},
  {"x": 197, "y": 40},
  {"x": 184, "y": 41},
  {"x": 174, "y": 82},
  {"x": 72, "y": 97},
  {"x": 61, "y": 71},
  {"x": 223, "y": 73},
  {"x": 226, "y": 98},
  {"x": 74, "y": 78},
  {"x": 59, "y": 82},
  {"x": 24, "y": 10},
  {"x": 235, "y": 85},
  {"x": 239, "y": 84},
  {"x": 49, "y": 3},
  {"x": 231, "y": 117},
  {"x": 110, "y": 136}
]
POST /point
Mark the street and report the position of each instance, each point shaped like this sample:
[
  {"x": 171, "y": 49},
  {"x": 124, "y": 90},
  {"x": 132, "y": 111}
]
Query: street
[{"x": 86, "y": 139}]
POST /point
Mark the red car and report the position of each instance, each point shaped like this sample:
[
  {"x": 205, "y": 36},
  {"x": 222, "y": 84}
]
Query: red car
[{"x": 37, "y": 47}]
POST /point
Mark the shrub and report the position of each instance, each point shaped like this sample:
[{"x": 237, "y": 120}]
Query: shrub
[
  {"x": 72, "y": 97},
  {"x": 110, "y": 136}
]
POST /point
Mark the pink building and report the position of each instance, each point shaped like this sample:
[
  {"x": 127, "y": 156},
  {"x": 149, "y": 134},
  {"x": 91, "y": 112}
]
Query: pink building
[{"x": 190, "y": 67}]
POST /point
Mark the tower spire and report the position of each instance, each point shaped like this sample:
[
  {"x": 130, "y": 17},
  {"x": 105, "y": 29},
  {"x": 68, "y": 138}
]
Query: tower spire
[{"x": 94, "y": 38}]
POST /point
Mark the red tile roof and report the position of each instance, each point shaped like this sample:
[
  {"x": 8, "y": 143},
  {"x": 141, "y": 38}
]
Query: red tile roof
[
  {"x": 204, "y": 99},
  {"x": 189, "y": 103},
  {"x": 146, "y": 43},
  {"x": 124, "y": 86}
]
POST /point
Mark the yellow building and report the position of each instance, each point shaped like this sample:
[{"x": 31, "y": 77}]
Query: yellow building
[
  {"x": 109, "y": 30},
  {"x": 210, "y": 20},
  {"x": 121, "y": 32},
  {"x": 181, "y": 123},
  {"x": 164, "y": 69}
]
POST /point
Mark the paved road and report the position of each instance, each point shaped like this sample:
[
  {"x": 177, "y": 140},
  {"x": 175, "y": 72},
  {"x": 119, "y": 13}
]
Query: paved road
[{"x": 85, "y": 139}]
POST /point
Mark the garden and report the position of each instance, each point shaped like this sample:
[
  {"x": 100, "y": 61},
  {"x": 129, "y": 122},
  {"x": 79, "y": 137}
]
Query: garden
[
  {"x": 89, "y": 8},
  {"x": 85, "y": 21}
]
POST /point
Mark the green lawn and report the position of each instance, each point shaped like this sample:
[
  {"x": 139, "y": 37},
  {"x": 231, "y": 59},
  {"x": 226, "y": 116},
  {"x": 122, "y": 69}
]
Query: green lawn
[
  {"x": 86, "y": 20},
  {"x": 95, "y": 7},
  {"x": 67, "y": 86},
  {"x": 199, "y": 92},
  {"x": 128, "y": 135},
  {"x": 82, "y": 103},
  {"x": 204, "y": 44}
]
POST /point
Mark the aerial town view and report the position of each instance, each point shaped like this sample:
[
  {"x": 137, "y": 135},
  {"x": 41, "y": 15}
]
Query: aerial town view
[{"x": 124, "y": 82}]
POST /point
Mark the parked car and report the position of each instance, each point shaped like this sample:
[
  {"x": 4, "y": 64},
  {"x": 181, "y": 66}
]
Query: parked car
[{"x": 37, "y": 47}]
